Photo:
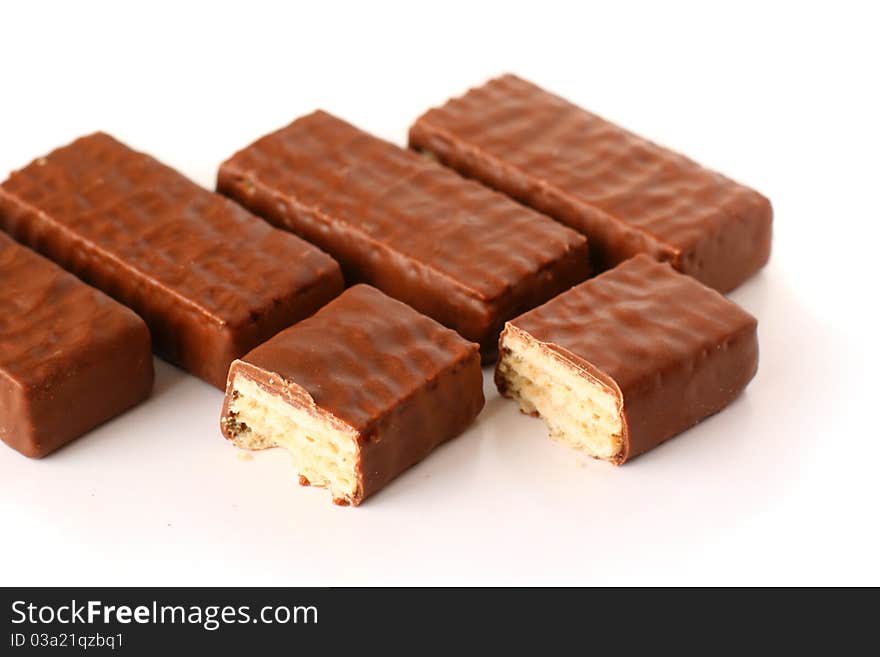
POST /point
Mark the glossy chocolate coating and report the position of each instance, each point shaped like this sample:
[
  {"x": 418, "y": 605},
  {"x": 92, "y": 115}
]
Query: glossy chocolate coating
[
  {"x": 674, "y": 350},
  {"x": 404, "y": 382},
  {"x": 211, "y": 280},
  {"x": 70, "y": 357},
  {"x": 467, "y": 256},
  {"x": 625, "y": 193}
]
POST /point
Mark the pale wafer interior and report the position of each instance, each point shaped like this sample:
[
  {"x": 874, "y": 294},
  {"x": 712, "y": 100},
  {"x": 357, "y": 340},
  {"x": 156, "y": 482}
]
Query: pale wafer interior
[
  {"x": 579, "y": 410},
  {"x": 324, "y": 449}
]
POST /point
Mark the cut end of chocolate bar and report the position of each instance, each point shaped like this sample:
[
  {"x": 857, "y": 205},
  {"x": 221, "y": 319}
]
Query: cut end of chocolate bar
[
  {"x": 629, "y": 359},
  {"x": 325, "y": 449},
  {"x": 580, "y": 410},
  {"x": 357, "y": 393}
]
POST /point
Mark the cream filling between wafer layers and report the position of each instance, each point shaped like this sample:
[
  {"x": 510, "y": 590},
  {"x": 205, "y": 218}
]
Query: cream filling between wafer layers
[
  {"x": 579, "y": 410},
  {"x": 323, "y": 452}
]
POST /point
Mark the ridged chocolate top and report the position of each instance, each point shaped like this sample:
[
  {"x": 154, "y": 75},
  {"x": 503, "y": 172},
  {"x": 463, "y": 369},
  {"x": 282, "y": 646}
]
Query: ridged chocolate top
[
  {"x": 626, "y": 193},
  {"x": 363, "y": 354},
  {"x": 479, "y": 239},
  {"x": 210, "y": 279},
  {"x": 164, "y": 232},
  {"x": 638, "y": 321},
  {"x": 48, "y": 317}
]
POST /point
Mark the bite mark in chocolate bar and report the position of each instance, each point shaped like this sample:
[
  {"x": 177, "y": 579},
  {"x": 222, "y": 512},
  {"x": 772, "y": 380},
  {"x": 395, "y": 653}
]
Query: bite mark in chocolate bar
[
  {"x": 465, "y": 255},
  {"x": 629, "y": 359},
  {"x": 211, "y": 280},
  {"x": 357, "y": 393},
  {"x": 628, "y": 195},
  {"x": 70, "y": 357}
]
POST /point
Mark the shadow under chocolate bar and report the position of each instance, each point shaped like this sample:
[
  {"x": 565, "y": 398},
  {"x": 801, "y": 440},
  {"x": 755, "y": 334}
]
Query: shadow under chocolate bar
[
  {"x": 211, "y": 280},
  {"x": 454, "y": 250},
  {"x": 627, "y": 194},
  {"x": 70, "y": 356}
]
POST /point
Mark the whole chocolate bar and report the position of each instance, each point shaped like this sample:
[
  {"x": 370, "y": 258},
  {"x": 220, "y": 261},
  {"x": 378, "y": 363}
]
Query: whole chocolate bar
[
  {"x": 625, "y": 361},
  {"x": 625, "y": 193},
  {"x": 211, "y": 280},
  {"x": 358, "y": 393},
  {"x": 466, "y": 256},
  {"x": 70, "y": 357}
]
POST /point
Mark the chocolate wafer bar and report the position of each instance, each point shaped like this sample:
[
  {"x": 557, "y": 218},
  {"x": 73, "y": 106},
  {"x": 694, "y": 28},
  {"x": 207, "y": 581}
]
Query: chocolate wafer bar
[
  {"x": 627, "y": 360},
  {"x": 625, "y": 193},
  {"x": 211, "y": 280},
  {"x": 467, "y": 256},
  {"x": 357, "y": 393},
  {"x": 70, "y": 357}
]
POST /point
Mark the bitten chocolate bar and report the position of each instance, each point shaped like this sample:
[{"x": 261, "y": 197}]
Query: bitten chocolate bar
[
  {"x": 468, "y": 257},
  {"x": 625, "y": 361},
  {"x": 211, "y": 280},
  {"x": 358, "y": 393},
  {"x": 70, "y": 357},
  {"x": 625, "y": 193}
]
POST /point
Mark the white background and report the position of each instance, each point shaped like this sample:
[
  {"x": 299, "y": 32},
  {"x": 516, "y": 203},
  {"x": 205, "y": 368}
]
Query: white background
[{"x": 781, "y": 488}]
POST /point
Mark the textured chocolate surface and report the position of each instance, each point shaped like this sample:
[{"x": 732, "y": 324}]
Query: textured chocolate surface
[
  {"x": 404, "y": 382},
  {"x": 674, "y": 350},
  {"x": 211, "y": 280},
  {"x": 70, "y": 356},
  {"x": 468, "y": 257},
  {"x": 625, "y": 193}
]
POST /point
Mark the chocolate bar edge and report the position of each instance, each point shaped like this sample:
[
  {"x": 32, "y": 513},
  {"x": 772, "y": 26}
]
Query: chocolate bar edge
[{"x": 52, "y": 414}]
